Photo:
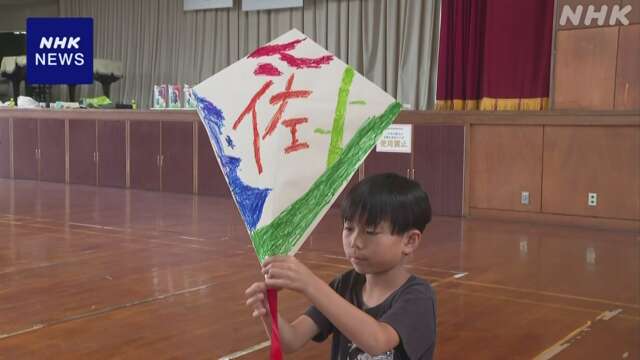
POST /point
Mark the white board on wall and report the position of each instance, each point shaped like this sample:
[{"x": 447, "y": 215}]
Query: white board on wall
[
  {"x": 251, "y": 5},
  {"x": 190, "y": 5}
]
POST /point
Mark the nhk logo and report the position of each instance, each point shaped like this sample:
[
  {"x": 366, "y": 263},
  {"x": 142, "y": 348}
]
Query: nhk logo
[
  {"x": 52, "y": 58},
  {"x": 60, "y": 50},
  {"x": 617, "y": 15}
]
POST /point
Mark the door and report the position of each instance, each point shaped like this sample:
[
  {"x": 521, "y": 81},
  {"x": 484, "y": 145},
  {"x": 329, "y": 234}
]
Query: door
[
  {"x": 381, "y": 162},
  {"x": 51, "y": 140},
  {"x": 438, "y": 163},
  {"x": 25, "y": 149},
  {"x": 177, "y": 156},
  {"x": 112, "y": 153},
  {"x": 82, "y": 152},
  {"x": 5, "y": 148},
  {"x": 145, "y": 154}
]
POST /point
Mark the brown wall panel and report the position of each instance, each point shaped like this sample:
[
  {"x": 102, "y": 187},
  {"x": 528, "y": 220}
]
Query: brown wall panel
[
  {"x": 634, "y": 15},
  {"x": 82, "y": 149},
  {"x": 627, "y": 96},
  {"x": 51, "y": 140},
  {"x": 177, "y": 152},
  {"x": 112, "y": 153},
  {"x": 5, "y": 148},
  {"x": 382, "y": 162},
  {"x": 25, "y": 144},
  {"x": 438, "y": 152},
  {"x": 428, "y": 163},
  {"x": 145, "y": 154},
  {"x": 585, "y": 68},
  {"x": 210, "y": 178},
  {"x": 579, "y": 160},
  {"x": 505, "y": 160},
  {"x": 504, "y": 155}
]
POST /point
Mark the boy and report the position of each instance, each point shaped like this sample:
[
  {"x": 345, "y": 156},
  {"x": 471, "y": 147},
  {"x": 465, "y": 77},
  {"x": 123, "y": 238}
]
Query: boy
[{"x": 378, "y": 310}]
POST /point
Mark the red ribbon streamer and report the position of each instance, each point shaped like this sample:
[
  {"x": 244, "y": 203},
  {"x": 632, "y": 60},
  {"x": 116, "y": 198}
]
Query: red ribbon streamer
[{"x": 276, "y": 348}]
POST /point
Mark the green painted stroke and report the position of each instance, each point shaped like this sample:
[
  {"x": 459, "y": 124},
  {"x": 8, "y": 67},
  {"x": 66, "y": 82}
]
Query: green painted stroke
[
  {"x": 358, "y": 102},
  {"x": 337, "y": 131},
  {"x": 286, "y": 230},
  {"x": 322, "y": 131}
]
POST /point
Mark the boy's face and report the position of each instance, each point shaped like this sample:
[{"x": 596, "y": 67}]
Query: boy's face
[{"x": 373, "y": 250}]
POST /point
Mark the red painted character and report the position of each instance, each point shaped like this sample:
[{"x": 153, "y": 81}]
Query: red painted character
[{"x": 281, "y": 99}]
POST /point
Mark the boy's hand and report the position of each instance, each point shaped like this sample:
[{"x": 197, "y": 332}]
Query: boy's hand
[
  {"x": 288, "y": 273},
  {"x": 257, "y": 299}
]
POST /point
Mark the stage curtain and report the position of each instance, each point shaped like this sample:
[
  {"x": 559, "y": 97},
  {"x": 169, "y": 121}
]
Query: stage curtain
[{"x": 494, "y": 55}]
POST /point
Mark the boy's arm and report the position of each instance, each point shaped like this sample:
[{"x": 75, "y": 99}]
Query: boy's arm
[
  {"x": 369, "y": 334},
  {"x": 292, "y": 335}
]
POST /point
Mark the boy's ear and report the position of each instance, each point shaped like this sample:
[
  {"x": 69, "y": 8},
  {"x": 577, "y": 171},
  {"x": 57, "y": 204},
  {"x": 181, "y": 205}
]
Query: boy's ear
[{"x": 410, "y": 241}]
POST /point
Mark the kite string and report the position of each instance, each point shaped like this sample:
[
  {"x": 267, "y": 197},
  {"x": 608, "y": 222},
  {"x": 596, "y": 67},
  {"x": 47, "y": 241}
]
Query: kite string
[{"x": 276, "y": 349}]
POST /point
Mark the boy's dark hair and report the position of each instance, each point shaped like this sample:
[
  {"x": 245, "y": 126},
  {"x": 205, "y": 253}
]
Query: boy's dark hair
[{"x": 388, "y": 197}]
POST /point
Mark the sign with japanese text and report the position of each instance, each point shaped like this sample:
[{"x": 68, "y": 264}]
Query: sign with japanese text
[{"x": 396, "y": 139}]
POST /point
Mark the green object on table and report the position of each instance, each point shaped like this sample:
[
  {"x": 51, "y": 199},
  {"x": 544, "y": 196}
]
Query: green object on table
[{"x": 97, "y": 102}]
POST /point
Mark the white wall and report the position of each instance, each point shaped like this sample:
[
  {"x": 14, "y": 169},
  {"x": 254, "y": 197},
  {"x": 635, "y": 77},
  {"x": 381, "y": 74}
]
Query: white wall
[{"x": 14, "y": 13}]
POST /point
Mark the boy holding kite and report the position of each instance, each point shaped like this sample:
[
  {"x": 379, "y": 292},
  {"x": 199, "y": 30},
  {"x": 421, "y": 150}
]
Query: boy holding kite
[{"x": 378, "y": 310}]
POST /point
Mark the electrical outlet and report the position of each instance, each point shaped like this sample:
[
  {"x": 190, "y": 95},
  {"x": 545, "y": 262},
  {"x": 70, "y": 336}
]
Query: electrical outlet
[
  {"x": 524, "y": 198},
  {"x": 592, "y": 199},
  {"x": 524, "y": 247}
]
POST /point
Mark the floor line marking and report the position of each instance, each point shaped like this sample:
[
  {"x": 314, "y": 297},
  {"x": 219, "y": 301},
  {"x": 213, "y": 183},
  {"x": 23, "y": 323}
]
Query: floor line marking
[
  {"x": 246, "y": 351},
  {"x": 506, "y": 298},
  {"x": 470, "y": 282},
  {"x": 556, "y": 348},
  {"x": 106, "y": 310}
]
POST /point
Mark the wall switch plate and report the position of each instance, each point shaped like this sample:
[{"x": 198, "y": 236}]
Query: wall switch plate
[
  {"x": 524, "y": 198},
  {"x": 592, "y": 199}
]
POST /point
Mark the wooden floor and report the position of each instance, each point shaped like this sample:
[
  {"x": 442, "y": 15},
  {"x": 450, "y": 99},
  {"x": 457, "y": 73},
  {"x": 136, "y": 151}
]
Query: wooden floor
[{"x": 99, "y": 273}]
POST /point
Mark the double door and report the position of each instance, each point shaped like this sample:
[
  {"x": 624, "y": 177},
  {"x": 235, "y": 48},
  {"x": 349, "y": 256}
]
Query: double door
[
  {"x": 161, "y": 155},
  {"x": 436, "y": 162},
  {"x": 39, "y": 149},
  {"x": 97, "y": 152}
]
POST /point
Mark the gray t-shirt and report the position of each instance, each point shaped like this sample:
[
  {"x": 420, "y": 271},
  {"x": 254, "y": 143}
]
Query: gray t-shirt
[{"x": 410, "y": 311}]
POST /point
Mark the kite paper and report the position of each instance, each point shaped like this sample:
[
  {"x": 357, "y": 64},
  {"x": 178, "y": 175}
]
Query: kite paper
[{"x": 290, "y": 123}]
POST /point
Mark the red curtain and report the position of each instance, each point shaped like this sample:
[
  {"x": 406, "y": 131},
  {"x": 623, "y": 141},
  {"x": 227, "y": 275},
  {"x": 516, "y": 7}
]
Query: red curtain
[{"x": 494, "y": 55}]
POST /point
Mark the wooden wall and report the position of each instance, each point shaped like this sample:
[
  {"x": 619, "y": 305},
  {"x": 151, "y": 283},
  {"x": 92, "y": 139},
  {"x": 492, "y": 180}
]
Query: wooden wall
[
  {"x": 471, "y": 163},
  {"x": 170, "y": 151},
  {"x": 559, "y": 166},
  {"x": 505, "y": 161},
  {"x": 597, "y": 67},
  {"x": 5, "y": 148},
  {"x": 597, "y": 159}
]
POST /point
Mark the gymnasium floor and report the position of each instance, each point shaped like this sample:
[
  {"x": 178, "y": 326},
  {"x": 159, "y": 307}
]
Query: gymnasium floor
[{"x": 99, "y": 273}]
